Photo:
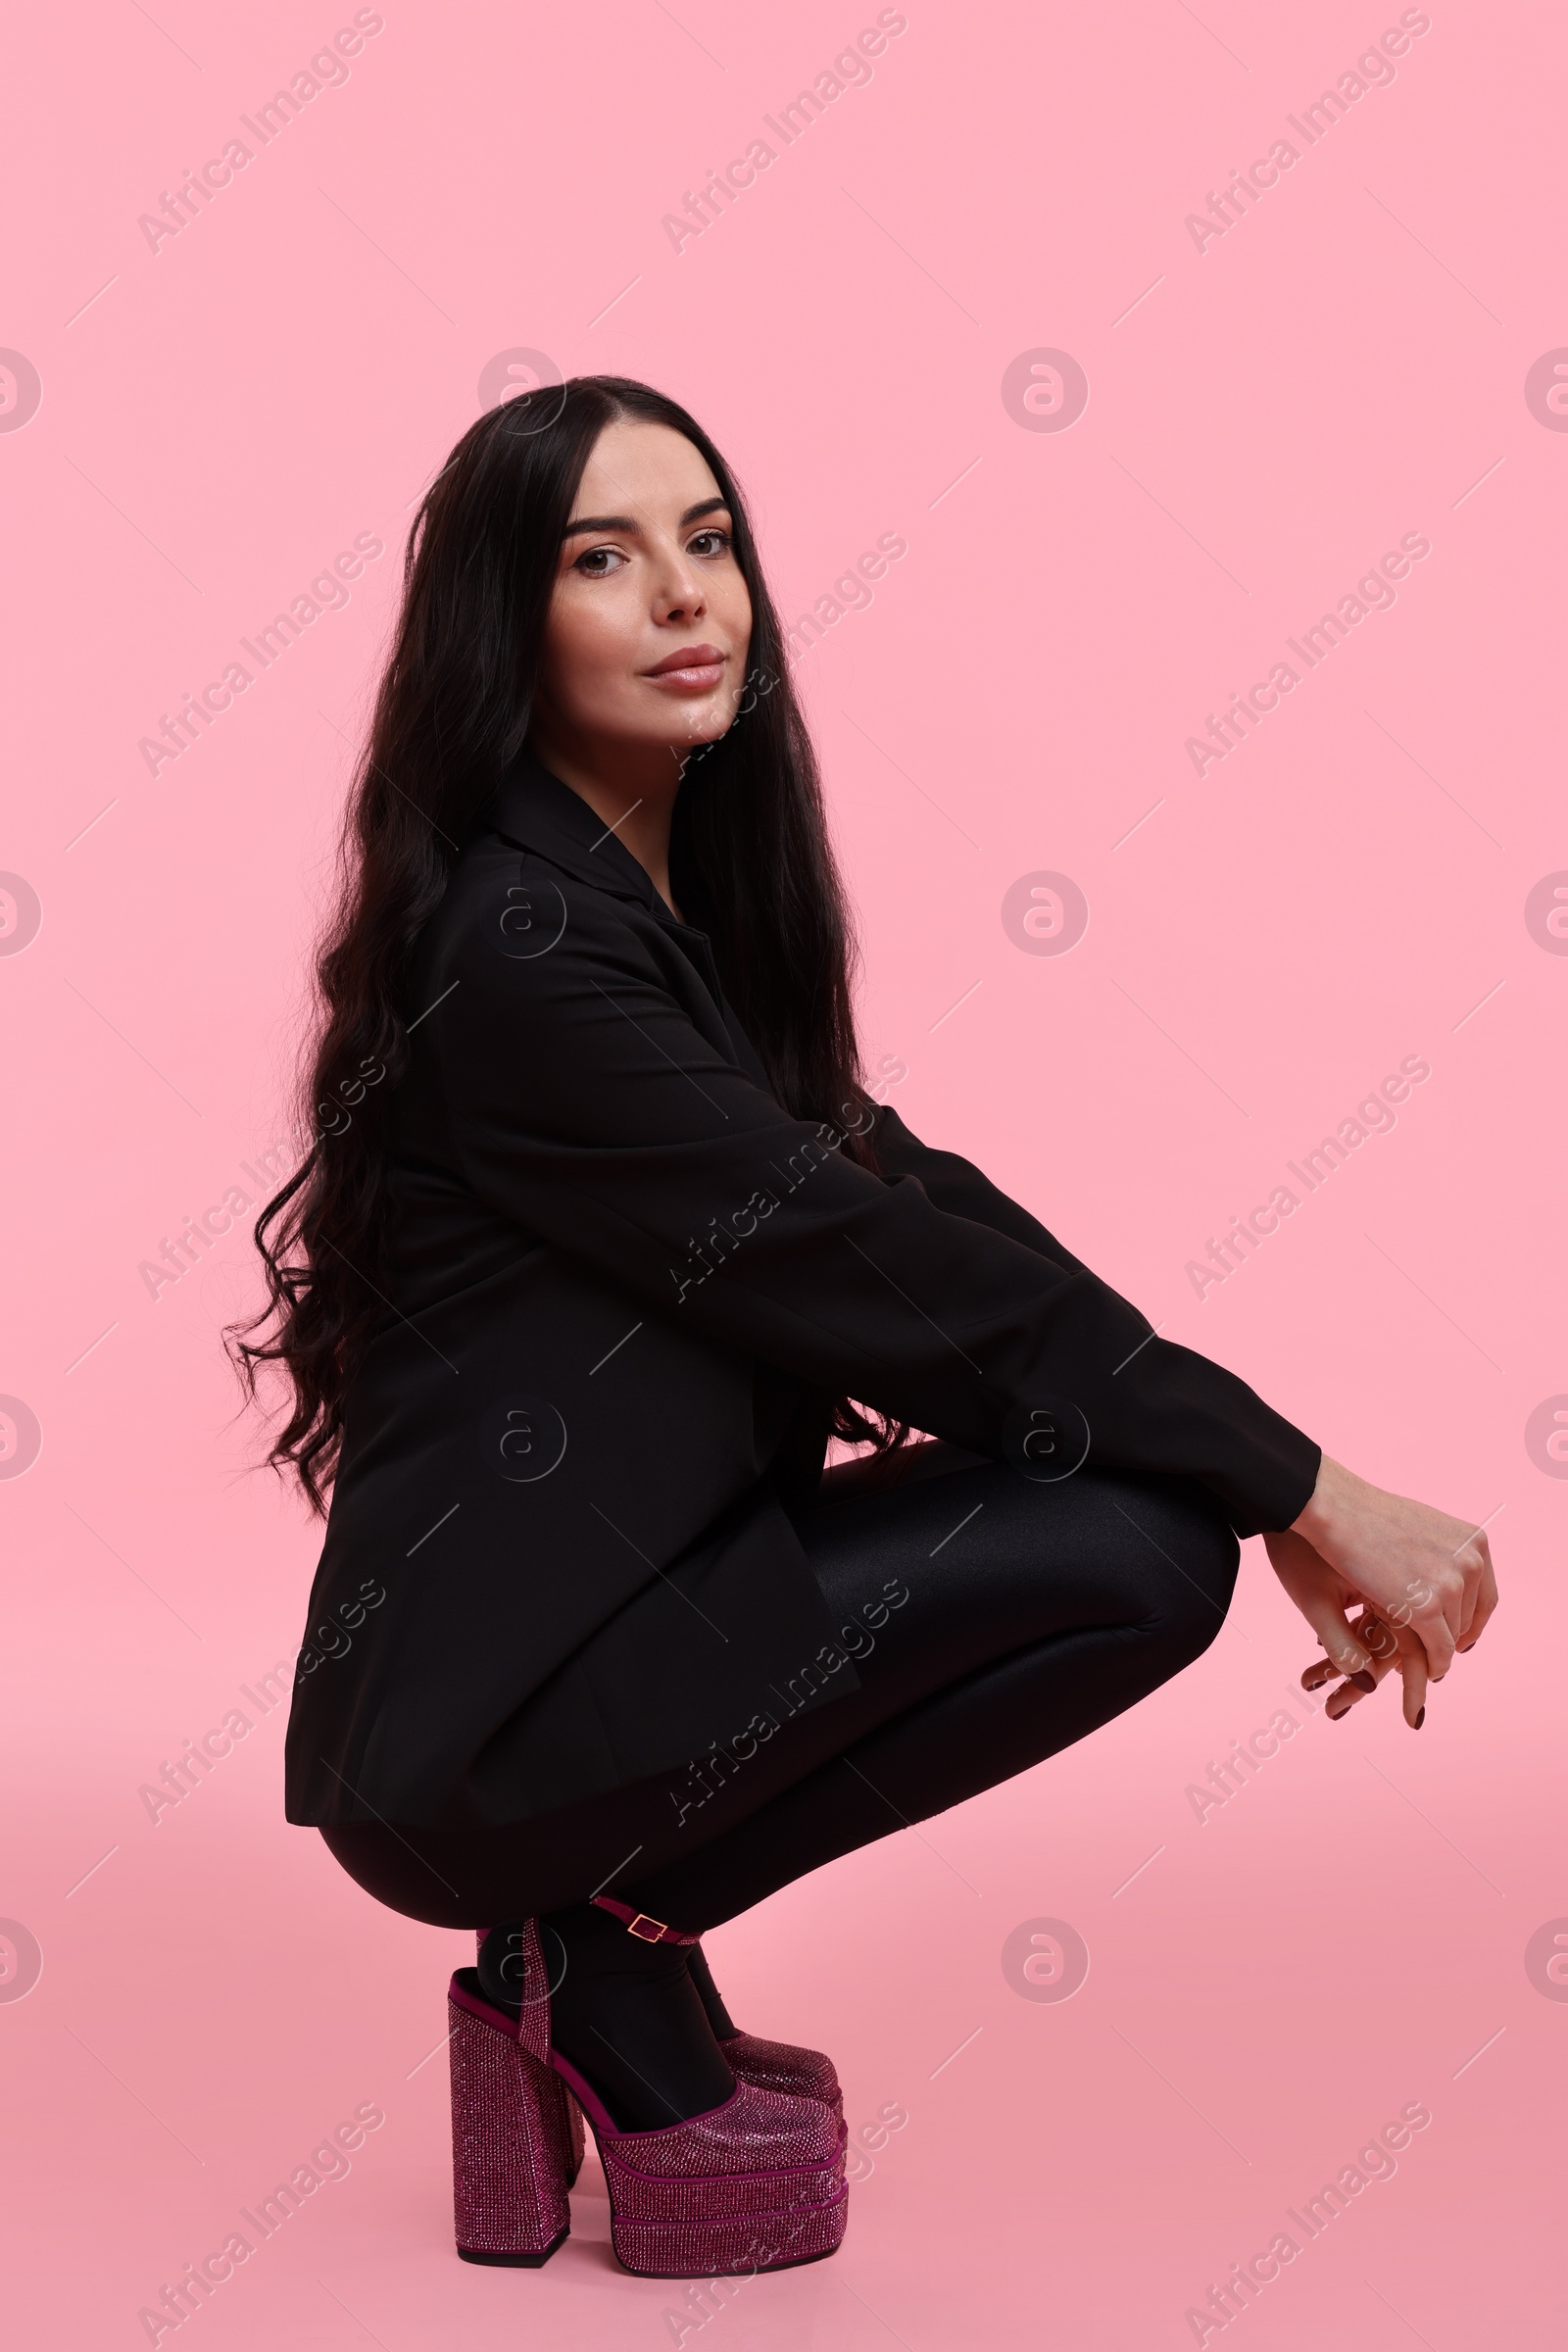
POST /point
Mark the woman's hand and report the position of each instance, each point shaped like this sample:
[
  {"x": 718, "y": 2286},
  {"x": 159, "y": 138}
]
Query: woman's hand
[{"x": 1424, "y": 1581}]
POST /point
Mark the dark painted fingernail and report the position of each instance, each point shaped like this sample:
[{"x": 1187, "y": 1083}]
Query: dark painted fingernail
[
  {"x": 1366, "y": 1679},
  {"x": 1337, "y": 1714},
  {"x": 1420, "y": 1717}
]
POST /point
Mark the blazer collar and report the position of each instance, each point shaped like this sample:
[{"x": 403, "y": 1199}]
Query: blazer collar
[{"x": 531, "y": 807}]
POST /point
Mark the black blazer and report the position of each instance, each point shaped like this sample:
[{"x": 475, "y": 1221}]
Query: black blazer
[{"x": 623, "y": 1288}]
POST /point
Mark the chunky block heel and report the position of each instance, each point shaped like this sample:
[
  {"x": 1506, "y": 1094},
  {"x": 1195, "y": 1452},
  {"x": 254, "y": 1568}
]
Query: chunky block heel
[
  {"x": 511, "y": 2136},
  {"x": 565, "y": 2115}
]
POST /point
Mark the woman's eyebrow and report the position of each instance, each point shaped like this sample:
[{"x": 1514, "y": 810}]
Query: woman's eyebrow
[{"x": 624, "y": 523}]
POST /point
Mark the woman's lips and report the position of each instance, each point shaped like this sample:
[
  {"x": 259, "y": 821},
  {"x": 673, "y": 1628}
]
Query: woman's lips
[
  {"x": 696, "y": 680},
  {"x": 690, "y": 678}
]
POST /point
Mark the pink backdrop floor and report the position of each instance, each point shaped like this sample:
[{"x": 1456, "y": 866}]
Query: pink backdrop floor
[{"x": 1370, "y": 352}]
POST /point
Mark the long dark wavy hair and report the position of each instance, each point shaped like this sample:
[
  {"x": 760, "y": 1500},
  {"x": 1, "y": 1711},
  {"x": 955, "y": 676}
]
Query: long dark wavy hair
[{"x": 751, "y": 863}]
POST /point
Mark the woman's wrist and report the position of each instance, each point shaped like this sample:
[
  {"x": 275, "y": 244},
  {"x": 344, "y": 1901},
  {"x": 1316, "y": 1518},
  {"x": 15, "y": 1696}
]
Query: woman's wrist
[{"x": 1325, "y": 1503}]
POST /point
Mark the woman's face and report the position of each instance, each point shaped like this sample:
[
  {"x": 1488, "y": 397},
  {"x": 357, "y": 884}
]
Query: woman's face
[{"x": 645, "y": 574}]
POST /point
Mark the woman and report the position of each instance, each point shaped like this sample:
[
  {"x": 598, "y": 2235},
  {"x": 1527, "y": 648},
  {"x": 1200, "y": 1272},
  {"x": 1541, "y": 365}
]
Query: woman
[{"x": 599, "y": 1241}]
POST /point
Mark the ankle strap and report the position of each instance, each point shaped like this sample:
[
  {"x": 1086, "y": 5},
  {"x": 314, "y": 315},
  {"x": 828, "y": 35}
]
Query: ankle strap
[{"x": 638, "y": 1923}]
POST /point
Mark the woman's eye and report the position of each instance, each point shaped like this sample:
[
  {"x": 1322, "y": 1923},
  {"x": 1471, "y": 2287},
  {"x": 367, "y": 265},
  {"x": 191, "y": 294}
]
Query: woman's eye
[
  {"x": 602, "y": 562},
  {"x": 595, "y": 564}
]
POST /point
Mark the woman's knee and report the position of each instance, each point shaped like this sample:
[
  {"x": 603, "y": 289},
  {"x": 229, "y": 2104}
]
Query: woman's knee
[
  {"x": 1193, "y": 1560},
  {"x": 399, "y": 1877}
]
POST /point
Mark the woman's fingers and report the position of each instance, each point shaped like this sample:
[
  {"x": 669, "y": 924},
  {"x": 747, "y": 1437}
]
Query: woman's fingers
[
  {"x": 1485, "y": 1599},
  {"x": 1412, "y": 1621},
  {"x": 1381, "y": 1647},
  {"x": 1349, "y": 1694},
  {"x": 1342, "y": 1648},
  {"x": 1476, "y": 1559},
  {"x": 1388, "y": 1649},
  {"x": 1479, "y": 1622},
  {"x": 1422, "y": 1568},
  {"x": 1319, "y": 1592},
  {"x": 1378, "y": 1646},
  {"x": 1378, "y": 1639},
  {"x": 1404, "y": 1649},
  {"x": 1436, "y": 1629},
  {"x": 1413, "y": 1670}
]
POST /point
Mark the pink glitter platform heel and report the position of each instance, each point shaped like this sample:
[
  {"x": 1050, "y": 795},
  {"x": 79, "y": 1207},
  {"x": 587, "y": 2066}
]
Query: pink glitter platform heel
[
  {"x": 769, "y": 2065},
  {"x": 757, "y": 2183},
  {"x": 516, "y": 2138}
]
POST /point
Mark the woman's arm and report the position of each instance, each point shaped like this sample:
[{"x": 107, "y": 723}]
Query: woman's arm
[
  {"x": 594, "y": 1098},
  {"x": 1423, "y": 1581},
  {"x": 957, "y": 1186}
]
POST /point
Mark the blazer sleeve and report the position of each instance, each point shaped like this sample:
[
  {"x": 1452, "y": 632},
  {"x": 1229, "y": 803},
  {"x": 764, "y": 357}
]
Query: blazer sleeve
[
  {"x": 592, "y": 1100},
  {"x": 957, "y": 1185}
]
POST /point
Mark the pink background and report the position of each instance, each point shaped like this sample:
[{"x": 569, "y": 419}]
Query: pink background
[{"x": 1345, "y": 365}]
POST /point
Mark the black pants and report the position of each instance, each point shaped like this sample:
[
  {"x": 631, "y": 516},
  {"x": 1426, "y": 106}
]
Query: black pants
[{"x": 1033, "y": 1614}]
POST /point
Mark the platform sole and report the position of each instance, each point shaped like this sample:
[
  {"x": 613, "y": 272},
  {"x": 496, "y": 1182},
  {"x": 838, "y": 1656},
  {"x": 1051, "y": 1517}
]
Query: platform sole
[{"x": 740, "y": 2246}]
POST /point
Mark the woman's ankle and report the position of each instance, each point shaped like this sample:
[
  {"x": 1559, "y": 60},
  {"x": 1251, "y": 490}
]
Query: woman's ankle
[
  {"x": 627, "y": 2014},
  {"x": 708, "y": 1992},
  {"x": 500, "y": 1966}
]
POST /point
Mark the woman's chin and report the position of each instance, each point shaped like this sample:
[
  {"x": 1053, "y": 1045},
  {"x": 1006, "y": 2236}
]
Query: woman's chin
[{"x": 700, "y": 726}]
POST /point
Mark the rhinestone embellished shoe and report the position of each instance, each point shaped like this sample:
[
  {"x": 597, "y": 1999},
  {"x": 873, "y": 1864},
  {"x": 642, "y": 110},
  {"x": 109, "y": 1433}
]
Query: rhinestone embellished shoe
[
  {"x": 785, "y": 2066},
  {"x": 756, "y": 2183}
]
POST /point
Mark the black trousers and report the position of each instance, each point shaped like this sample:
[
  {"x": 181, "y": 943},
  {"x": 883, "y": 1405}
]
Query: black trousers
[{"x": 1030, "y": 1615}]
